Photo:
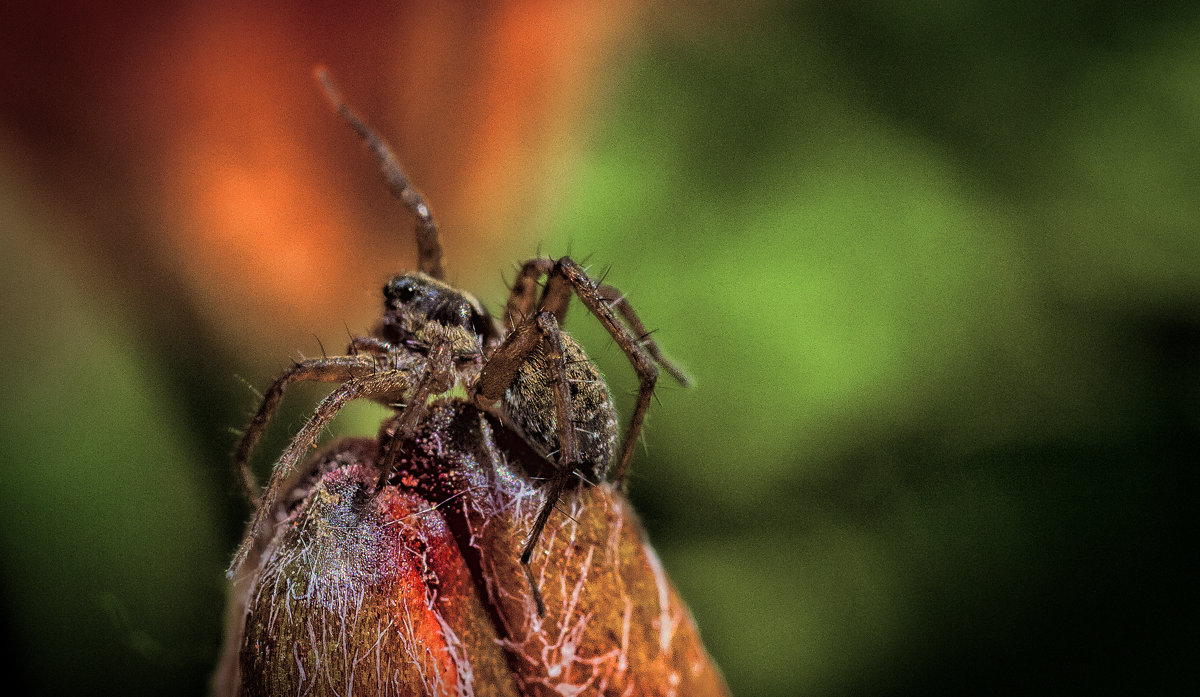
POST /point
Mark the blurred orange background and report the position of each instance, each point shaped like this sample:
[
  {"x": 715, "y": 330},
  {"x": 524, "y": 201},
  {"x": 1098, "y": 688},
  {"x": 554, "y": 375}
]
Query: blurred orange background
[{"x": 218, "y": 185}]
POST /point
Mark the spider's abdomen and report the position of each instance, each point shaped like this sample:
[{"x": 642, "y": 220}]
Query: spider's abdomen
[{"x": 529, "y": 407}]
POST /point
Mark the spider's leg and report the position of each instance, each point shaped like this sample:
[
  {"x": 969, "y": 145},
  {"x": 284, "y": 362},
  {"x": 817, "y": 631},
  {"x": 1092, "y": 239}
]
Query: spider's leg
[
  {"x": 523, "y": 299},
  {"x": 540, "y": 330},
  {"x": 504, "y": 362},
  {"x": 333, "y": 369},
  {"x": 568, "y": 276},
  {"x": 436, "y": 377},
  {"x": 365, "y": 387},
  {"x": 554, "y": 489},
  {"x": 429, "y": 249},
  {"x": 369, "y": 344},
  {"x": 617, "y": 301}
]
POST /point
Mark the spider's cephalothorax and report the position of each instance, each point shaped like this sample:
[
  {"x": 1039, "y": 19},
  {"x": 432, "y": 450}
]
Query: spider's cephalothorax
[
  {"x": 524, "y": 369},
  {"x": 421, "y": 312}
]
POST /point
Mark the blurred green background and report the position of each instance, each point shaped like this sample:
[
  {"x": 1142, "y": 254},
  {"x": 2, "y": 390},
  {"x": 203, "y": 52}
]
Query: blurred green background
[{"x": 935, "y": 268}]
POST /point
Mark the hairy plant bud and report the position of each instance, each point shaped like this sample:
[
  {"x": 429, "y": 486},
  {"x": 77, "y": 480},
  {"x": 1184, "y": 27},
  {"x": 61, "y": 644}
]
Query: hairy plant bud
[{"x": 416, "y": 589}]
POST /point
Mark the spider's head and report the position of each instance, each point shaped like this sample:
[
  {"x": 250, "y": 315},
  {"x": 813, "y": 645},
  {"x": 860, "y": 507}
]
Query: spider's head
[{"x": 420, "y": 311}]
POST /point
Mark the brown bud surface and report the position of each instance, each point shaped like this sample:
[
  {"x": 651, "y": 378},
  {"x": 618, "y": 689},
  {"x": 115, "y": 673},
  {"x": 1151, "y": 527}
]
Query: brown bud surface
[{"x": 416, "y": 589}]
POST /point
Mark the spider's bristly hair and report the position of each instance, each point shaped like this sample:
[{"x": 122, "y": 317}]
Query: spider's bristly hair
[
  {"x": 565, "y": 514},
  {"x": 251, "y": 386},
  {"x": 583, "y": 478}
]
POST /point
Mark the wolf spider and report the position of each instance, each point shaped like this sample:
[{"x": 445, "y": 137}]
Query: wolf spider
[{"x": 524, "y": 370}]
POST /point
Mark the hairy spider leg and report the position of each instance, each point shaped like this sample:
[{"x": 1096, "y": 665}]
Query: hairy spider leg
[
  {"x": 390, "y": 383},
  {"x": 435, "y": 378},
  {"x": 616, "y": 300},
  {"x": 564, "y": 277},
  {"x": 332, "y": 369},
  {"x": 541, "y": 329},
  {"x": 429, "y": 249},
  {"x": 523, "y": 297},
  {"x": 370, "y": 344}
]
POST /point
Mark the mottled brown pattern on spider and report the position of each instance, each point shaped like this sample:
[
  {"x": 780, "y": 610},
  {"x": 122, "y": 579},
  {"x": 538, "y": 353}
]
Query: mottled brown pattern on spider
[{"x": 524, "y": 370}]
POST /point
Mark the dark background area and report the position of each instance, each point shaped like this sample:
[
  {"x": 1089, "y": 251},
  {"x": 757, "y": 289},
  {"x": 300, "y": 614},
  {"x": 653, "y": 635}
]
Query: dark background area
[{"x": 936, "y": 269}]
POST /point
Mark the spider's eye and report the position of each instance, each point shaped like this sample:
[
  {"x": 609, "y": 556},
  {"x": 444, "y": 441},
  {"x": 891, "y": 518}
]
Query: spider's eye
[
  {"x": 481, "y": 325},
  {"x": 401, "y": 291}
]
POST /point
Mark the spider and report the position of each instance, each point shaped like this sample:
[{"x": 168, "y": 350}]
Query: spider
[{"x": 525, "y": 370}]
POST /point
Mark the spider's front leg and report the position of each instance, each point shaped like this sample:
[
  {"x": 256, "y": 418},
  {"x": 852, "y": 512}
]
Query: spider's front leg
[
  {"x": 381, "y": 385},
  {"x": 436, "y": 377},
  {"x": 332, "y": 369},
  {"x": 429, "y": 249}
]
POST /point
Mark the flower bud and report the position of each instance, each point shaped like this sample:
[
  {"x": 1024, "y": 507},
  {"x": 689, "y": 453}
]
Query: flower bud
[{"x": 416, "y": 589}]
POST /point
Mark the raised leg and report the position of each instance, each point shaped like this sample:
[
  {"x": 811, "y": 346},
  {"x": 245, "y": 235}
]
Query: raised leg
[
  {"x": 429, "y": 249},
  {"x": 376, "y": 386},
  {"x": 334, "y": 369}
]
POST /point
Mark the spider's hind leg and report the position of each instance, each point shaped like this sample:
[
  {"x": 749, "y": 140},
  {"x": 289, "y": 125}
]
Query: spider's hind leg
[
  {"x": 554, "y": 490},
  {"x": 629, "y": 333}
]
